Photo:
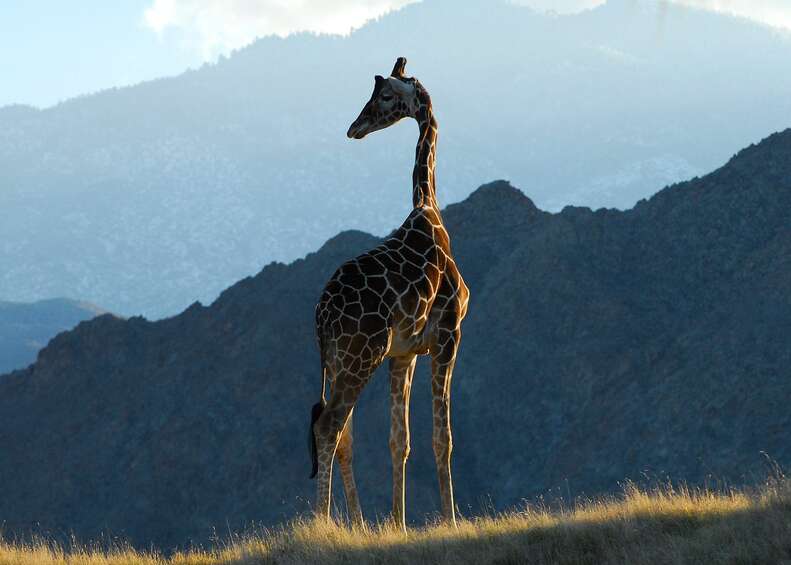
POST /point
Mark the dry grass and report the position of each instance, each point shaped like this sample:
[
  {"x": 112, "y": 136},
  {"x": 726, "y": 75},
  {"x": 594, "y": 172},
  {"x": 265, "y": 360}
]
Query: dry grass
[{"x": 665, "y": 526}]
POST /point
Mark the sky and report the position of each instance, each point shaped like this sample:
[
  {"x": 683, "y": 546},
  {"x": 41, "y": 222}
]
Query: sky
[{"x": 51, "y": 50}]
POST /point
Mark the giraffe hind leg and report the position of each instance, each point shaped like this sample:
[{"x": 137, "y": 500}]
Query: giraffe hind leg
[
  {"x": 329, "y": 428},
  {"x": 345, "y": 456}
]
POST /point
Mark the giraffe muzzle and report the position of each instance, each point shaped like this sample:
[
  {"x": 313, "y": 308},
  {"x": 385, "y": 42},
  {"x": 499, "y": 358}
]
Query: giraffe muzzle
[{"x": 357, "y": 130}]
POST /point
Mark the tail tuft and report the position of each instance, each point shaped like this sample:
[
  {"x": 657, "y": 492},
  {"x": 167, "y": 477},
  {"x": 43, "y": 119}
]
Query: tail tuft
[{"x": 315, "y": 412}]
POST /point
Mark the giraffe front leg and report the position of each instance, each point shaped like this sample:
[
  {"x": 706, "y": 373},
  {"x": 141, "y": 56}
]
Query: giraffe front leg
[
  {"x": 442, "y": 362},
  {"x": 345, "y": 457},
  {"x": 401, "y": 371}
]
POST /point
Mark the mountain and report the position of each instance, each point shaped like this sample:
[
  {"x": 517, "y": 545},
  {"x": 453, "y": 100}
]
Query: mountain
[
  {"x": 26, "y": 328},
  {"x": 599, "y": 346},
  {"x": 145, "y": 198}
]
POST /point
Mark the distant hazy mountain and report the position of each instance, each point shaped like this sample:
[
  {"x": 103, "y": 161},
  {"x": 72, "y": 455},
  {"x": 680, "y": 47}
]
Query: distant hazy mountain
[
  {"x": 599, "y": 346},
  {"x": 144, "y": 199},
  {"x": 26, "y": 328}
]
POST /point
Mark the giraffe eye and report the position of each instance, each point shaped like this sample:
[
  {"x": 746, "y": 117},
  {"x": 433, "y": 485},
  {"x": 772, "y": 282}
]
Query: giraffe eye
[{"x": 387, "y": 98}]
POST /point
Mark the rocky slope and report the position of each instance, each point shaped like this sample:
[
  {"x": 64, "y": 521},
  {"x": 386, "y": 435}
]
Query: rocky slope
[
  {"x": 599, "y": 346},
  {"x": 143, "y": 199},
  {"x": 26, "y": 328}
]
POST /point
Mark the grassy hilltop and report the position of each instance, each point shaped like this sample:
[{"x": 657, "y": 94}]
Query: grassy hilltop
[{"x": 665, "y": 526}]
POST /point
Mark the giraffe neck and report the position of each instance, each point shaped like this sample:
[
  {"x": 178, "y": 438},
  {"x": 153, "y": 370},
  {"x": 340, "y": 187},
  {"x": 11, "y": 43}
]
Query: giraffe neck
[{"x": 423, "y": 192}]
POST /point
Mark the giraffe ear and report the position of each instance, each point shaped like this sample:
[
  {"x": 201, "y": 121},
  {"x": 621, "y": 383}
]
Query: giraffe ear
[{"x": 399, "y": 67}]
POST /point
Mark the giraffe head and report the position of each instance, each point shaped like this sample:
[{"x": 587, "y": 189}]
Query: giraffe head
[{"x": 393, "y": 99}]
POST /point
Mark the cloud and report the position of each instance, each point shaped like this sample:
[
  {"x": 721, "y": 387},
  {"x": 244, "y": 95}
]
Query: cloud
[{"x": 218, "y": 26}]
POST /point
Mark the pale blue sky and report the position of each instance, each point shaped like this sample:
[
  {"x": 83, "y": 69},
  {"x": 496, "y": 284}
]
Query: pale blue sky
[{"x": 52, "y": 50}]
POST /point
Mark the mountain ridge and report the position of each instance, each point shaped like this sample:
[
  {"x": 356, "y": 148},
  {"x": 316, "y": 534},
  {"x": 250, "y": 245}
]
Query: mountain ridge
[
  {"x": 26, "y": 327},
  {"x": 600, "y": 346}
]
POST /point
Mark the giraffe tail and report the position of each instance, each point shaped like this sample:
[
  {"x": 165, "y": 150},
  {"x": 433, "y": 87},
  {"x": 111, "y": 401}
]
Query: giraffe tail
[{"x": 315, "y": 412}]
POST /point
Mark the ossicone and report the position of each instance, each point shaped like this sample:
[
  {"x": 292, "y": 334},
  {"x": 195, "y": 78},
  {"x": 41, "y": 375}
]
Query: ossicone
[{"x": 399, "y": 67}]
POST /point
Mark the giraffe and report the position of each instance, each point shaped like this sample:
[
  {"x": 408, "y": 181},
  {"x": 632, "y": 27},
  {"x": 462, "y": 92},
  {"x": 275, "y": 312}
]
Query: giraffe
[{"x": 403, "y": 298}]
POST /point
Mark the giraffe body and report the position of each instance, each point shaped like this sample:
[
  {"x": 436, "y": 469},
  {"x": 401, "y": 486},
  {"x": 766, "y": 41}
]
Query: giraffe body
[{"x": 403, "y": 298}]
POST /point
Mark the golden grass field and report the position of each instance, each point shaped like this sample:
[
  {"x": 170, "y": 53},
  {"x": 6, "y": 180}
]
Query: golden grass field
[{"x": 663, "y": 526}]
